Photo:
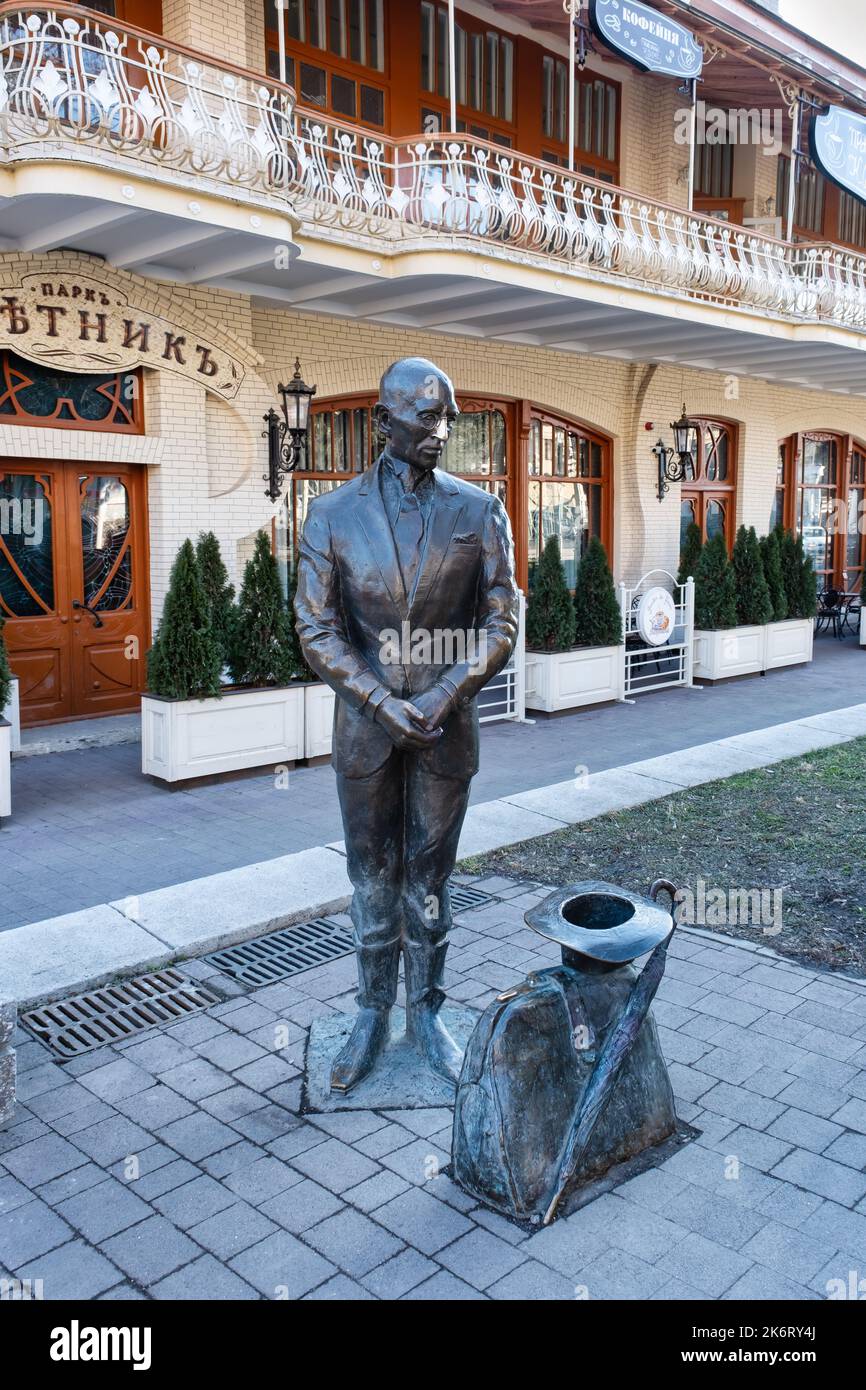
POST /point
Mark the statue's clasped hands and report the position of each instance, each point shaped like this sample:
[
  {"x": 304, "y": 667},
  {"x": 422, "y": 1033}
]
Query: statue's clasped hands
[{"x": 415, "y": 724}]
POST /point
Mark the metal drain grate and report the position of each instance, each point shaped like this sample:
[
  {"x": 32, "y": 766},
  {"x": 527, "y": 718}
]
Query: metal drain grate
[
  {"x": 463, "y": 897},
  {"x": 293, "y": 949},
  {"x": 87, "y": 1021},
  {"x": 286, "y": 952}
]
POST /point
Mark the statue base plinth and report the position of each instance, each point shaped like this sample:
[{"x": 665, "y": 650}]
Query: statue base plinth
[{"x": 401, "y": 1078}]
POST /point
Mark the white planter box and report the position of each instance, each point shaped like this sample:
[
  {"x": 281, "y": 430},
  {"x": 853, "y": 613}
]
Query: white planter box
[
  {"x": 5, "y": 768},
  {"x": 246, "y": 728},
  {"x": 318, "y": 720},
  {"x": 12, "y": 712},
  {"x": 789, "y": 643},
  {"x": 732, "y": 651},
  {"x": 568, "y": 680}
]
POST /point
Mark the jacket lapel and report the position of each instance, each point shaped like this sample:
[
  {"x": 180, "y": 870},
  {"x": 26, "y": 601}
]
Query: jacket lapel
[
  {"x": 444, "y": 516},
  {"x": 373, "y": 519}
]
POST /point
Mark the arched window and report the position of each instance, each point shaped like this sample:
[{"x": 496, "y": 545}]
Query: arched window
[
  {"x": 552, "y": 474},
  {"x": 709, "y": 488},
  {"x": 344, "y": 440},
  {"x": 569, "y": 494},
  {"x": 821, "y": 495},
  {"x": 36, "y": 393}
]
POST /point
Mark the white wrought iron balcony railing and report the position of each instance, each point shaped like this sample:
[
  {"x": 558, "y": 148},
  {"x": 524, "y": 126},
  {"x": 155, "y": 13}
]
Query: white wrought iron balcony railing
[
  {"x": 462, "y": 187},
  {"x": 76, "y": 86}
]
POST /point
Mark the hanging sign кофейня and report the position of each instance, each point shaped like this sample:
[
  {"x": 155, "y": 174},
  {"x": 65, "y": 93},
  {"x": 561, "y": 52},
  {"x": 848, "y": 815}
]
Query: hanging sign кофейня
[
  {"x": 646, "y": 38},
  {"x": 837, "y": 141}
]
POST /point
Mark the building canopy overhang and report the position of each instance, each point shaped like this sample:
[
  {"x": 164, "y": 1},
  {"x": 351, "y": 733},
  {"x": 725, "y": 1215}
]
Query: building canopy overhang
[
  {"x": 746, "y": 48},
  {"x": 464, "y": 294}
]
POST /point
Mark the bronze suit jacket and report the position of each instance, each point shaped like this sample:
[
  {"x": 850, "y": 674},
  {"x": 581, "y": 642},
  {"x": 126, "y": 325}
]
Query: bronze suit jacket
[{"x": 351, "y": 602}]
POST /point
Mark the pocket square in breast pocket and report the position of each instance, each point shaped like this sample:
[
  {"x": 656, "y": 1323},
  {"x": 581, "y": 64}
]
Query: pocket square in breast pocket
[{"x": 470, "y": 538}]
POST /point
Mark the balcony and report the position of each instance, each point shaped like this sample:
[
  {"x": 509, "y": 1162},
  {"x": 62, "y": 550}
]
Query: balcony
[
  {"x": 77, "y": 90},
  {"x": 464, "y": 191},
  {"x": 77, "y": 87},
  {"x": 153, "y": 124}
]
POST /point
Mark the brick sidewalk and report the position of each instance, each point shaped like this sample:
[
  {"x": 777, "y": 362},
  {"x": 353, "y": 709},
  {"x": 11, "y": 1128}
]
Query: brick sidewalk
[{"x": 175, "y": 1165}]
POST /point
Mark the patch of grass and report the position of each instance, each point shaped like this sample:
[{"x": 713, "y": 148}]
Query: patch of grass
[{"x": 799, "y": 826}]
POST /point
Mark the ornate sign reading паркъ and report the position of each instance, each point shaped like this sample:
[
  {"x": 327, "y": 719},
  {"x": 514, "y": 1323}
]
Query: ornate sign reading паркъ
[
  {"x": 650, "y": 40},
  {"x": 838, "y": 146},
  {"x": 85, "y": 326}
]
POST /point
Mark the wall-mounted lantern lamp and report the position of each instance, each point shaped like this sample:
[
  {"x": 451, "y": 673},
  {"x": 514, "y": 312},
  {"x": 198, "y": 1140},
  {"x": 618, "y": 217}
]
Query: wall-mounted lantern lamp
[
  {"x": 287, "y": 437},
  {"x": 675, "y": 463}
]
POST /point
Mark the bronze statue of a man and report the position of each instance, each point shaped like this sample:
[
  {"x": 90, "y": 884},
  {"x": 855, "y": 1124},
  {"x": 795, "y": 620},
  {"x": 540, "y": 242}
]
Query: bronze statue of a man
[{"x": 399, "y": 569}]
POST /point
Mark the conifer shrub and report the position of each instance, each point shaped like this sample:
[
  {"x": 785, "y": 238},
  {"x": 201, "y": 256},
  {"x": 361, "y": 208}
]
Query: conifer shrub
[
  {"x": 219, "y": 592},
  {"x": 772, "y": 561},
  {"x": 264, "y": 644},
  {"x": 798, "y": 576},
  {"x": 550, "y": 615},
  {"x": 185, "y": 662},
  {"x": 754, "y": 607},
  {"x": 5, "y": 672},
  {"x": 715, "y": 588},
  {"x": 690, "y": 553},
  {"x": 596, "y": 608}
]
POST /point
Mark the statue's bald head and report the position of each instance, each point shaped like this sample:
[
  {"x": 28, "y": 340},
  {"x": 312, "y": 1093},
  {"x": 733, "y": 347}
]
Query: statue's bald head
[
  {"x": 416, "y": 411},
  {"x": 411, "y": 378}
]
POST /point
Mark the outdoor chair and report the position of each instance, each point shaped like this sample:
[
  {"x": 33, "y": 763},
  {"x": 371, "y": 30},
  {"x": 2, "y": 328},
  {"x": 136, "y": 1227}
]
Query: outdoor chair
[{"x": 831, "y": 611}]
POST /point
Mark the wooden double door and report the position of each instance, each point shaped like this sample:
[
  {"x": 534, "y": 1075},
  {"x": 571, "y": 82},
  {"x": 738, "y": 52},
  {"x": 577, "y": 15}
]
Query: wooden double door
[{"x": 74, "y": 586}]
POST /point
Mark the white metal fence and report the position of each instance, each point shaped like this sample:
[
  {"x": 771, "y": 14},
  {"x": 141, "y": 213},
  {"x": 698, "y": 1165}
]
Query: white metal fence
[
  {"x": 505, "y": 696},
  {"x": 661, "y": 667}
]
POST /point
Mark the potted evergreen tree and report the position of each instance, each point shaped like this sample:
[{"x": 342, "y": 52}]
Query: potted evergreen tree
[
  {"x": 319, "y": 698},
  {"x": 220, "y": 594},
  {"x": 5, "y": 730},
  {"x": 772, "y": 561},
  {"x": 192, "y": 724},
  {"x": 574, "y": 646},
  {"x": 724, "y": 647},
  {"x": 690, "y": 553},
  {"x": 791, "y": 581},
  {"x": 754, "y": 608}
]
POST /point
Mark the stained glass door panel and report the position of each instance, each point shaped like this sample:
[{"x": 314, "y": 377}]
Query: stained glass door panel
[
  {"x": 109, "y": 633},
  {"x": 34, "y": 587},
  {"x": 73, "y": 587}
]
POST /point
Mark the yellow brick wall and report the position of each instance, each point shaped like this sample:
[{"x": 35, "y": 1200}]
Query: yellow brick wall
[
  {"x": 615, "y": 397},
  {"x": 230, "y": 30},
  {"x": 206, "y": 458},
  {"x": 652, "y": 161}
]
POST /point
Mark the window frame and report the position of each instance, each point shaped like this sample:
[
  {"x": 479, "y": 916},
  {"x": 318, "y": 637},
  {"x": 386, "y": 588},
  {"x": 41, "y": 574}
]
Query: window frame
[
  {"x": 519, "y": 415},
  {"x": 701, "y": 491},
  {"x": 540, "y": 415},
  {"x": 135, "y": 424},
  {"x": 554, "y": 150},
  {"x": 832, "y": 206},
  {"x": 298, "y": 52},
  {"x": 847, "y": 446},
  {"x": 470, "y": 120}
]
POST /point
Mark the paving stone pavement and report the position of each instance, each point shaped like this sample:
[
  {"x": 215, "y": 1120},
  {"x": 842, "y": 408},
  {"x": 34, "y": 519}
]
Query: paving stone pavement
[{"x": 176, "y": 1165}]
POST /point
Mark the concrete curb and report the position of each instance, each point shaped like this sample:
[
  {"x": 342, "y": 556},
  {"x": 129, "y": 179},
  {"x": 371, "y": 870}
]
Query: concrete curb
[{"x": 81, "y": 950}]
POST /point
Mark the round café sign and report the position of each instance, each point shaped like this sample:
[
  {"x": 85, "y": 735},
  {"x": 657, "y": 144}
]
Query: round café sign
[
  {"x": 838, "y": 146},
  {"x": 656, "y": 616},
  {"x": 652, "y": 41}
]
